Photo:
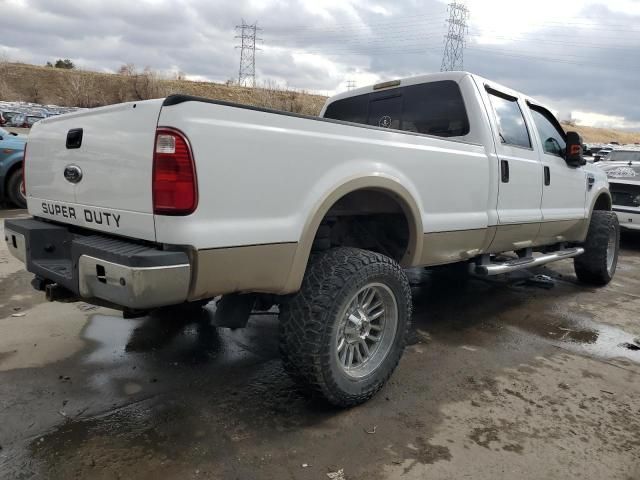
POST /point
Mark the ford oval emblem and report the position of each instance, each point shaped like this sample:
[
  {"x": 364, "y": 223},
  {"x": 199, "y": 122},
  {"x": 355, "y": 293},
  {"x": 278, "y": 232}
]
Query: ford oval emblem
[{"x": 73, "y": 173}]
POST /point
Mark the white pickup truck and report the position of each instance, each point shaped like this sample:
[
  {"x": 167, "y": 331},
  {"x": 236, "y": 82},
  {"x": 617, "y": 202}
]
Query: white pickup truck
[{"x": 183, "y": 199}]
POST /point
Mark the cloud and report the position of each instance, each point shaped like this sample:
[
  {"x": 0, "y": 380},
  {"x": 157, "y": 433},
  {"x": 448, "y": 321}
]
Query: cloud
[{"x": 578, "y": 56}]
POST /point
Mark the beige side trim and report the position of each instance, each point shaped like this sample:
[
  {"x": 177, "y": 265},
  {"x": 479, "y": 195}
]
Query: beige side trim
[
  {"x": 450, "y": 247},
  {"x": 514, "y": 237},
  {"x": 256, "y": 268},
  {"x": 561, "y": 231},
  {"x": 379, "y": 183}
]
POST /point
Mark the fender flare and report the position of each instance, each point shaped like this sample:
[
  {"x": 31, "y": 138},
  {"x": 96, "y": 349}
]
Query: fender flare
[
  {"x": 594, "y": 199},
  {"x": 381, "y": 183}
]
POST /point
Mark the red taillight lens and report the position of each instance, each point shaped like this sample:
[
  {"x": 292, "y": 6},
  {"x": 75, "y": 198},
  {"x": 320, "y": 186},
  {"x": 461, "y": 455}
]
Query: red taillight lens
[
  {"x": 23, "y": 187},
  {"x": 174, "y": 175}
]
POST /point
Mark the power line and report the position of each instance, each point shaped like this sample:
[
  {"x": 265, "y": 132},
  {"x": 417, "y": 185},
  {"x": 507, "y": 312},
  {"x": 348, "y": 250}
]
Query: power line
[
  {"x": 248, "y": 39},
  {"x": 351, "y": 84},
  {"x": 453, "y": 57}
]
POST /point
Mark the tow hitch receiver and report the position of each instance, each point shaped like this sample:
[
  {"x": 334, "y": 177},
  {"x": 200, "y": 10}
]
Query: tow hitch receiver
[{"x": 56, "y": 293}]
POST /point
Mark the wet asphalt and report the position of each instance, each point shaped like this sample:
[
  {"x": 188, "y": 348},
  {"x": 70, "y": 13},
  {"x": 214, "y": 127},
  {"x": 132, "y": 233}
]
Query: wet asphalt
[{"x": 503, "y": 378}]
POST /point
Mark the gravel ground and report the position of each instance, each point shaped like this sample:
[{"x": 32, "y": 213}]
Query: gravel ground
[{"x": 503, "y": 379}]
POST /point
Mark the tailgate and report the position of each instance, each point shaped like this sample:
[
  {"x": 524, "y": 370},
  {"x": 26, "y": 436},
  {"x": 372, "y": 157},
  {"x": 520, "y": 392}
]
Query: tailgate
[{"x": 101, "y": 181}]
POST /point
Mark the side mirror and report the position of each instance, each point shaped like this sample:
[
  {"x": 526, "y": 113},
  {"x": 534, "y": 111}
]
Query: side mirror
[{"x": 573, "y": 156}]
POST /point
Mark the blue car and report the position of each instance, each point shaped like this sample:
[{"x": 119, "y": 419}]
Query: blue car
[{"x": 11, "y": 155}]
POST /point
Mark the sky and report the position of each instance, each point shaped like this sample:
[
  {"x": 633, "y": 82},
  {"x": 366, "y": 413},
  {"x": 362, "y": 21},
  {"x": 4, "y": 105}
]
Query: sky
[{"x": 581, "y": 57}]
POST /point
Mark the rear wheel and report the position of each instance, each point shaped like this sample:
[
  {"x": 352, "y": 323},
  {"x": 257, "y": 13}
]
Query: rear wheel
[
  {"x": 597, "y": 265},
  {"x": 14, "y": 190},
  {"x": 343, "y": 333}
]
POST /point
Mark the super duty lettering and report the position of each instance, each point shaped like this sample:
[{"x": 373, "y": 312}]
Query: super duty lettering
[{"x": 90, "y": 216}]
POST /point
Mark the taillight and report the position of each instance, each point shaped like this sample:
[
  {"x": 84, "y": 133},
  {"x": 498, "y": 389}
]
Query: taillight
[
  {"x": 23, "y": 187},
  {"x": 175, "y": 189}
]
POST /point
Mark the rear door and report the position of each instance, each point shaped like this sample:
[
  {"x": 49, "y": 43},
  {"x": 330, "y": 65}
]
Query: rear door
[
  {"x": 520, "y": 173},
  {"x": 565, "y": 187}
]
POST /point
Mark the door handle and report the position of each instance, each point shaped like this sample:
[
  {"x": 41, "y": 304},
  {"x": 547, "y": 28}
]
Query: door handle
[
  {"x": 547, "y": 176},
  {"x": 504, "y": 171}
]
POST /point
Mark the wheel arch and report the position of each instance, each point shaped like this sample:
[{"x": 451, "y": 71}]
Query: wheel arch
[
  {"x": 601, "y": 200},
  {"x": 11, "y": 169},
  {"x": 383, "y": 184}
]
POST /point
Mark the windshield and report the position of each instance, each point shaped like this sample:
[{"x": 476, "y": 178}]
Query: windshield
[{"x": 623, "y": 156}]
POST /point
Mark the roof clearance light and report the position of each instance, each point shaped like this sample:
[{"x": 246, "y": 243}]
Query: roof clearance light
[{"x": 392, "y": 83}]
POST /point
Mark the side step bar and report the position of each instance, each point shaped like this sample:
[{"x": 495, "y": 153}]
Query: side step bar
[{"x": 526, "y": 262}]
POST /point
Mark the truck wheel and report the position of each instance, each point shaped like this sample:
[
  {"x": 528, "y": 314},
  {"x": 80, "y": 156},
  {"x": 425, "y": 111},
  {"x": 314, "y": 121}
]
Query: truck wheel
[
  {"x": 14, "y": 191},
  {"x": 343, "y": 333},
  {"x": 597, "y": 265}
]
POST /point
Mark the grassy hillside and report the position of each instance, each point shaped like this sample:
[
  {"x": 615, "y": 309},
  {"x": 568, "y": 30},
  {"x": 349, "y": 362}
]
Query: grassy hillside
[
  {"x": 77, "y": 88},
  {"x": 604, "y": 135}
]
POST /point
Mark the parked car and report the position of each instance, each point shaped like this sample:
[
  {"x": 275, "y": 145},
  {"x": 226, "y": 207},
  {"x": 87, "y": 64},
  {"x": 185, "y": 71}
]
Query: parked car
[
  {"x": 19, "y": 120},
  {"x": 315, "y": 215},
  {"x": 586, "y": 153},
  {"x": 602, "y": 153},
  {"x": 623, "y": 169},
  {"x": 31, "y": 119},
  {"x": 6, "y": 117},
  {"x": 11, "y": 155}
]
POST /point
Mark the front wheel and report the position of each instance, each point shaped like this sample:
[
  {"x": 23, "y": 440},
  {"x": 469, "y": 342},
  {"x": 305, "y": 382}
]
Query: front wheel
[
  {"x": 597, "y": 265},
  {"x": 342, "y": 335},
  {"x": 14, "y": 190}
]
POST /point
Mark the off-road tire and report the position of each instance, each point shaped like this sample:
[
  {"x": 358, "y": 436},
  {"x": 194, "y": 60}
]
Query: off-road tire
[
  {"x": 13, "y": 190},
  {"x": 309, "y": 319},
  {"x": 592, "y": 266}
]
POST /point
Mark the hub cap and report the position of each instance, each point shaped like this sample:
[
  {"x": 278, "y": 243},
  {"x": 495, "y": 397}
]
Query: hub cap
[{"x": 367, "y": 329}]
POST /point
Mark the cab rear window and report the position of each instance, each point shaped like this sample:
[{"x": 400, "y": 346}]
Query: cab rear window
[{"x": 434, "y": 108}]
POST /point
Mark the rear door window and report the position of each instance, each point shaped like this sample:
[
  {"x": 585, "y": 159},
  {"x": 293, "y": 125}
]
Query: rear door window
[
  {"x": 435, "y": 108},
  {"x": 513, "y": 129}
]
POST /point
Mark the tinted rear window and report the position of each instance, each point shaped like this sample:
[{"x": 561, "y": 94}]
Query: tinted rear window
[{"x": 435, "y": 108}]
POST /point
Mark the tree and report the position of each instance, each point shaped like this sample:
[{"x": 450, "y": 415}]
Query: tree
[
  {"x": 66, "y": 64},
  {"x": 128, "y": 70}
]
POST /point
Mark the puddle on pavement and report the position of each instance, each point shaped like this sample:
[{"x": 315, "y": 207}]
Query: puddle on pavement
[
  {"x": 179, "y": 336},
  {"x": 595, "y": 339},
  {"x": 584, "y": 336},
  {"x": 475, "y": 303}
]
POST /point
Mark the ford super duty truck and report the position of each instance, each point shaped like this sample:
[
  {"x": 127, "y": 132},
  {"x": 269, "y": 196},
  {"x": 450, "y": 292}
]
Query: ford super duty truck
[{"x": 183, "y": 199}]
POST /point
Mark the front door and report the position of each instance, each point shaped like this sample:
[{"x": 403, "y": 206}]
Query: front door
[{"x": 565, "y": 187}]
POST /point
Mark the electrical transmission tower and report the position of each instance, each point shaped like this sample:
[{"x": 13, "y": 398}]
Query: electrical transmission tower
[
  {"x": 351, "y": 84},
  {"x": 248, "y": 39},
  {"x": 452, "y": 59}
]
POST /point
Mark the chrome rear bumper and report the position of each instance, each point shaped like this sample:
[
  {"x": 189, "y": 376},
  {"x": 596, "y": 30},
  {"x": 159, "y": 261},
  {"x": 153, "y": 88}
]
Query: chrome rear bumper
[{"x": 108, "y": 270}]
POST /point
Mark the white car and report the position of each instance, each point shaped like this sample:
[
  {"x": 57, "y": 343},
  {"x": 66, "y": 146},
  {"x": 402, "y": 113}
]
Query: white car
[
  {"x": 622, "y": 166},
  {"x": 182, "y": 199}
]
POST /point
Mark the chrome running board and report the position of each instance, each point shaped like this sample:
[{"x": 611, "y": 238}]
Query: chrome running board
[{"x": 526, "y": 262}]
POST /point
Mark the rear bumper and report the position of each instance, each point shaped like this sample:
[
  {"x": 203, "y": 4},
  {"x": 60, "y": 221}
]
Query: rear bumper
[
  {"x": 629, "y": 218},
  {"x": 112, "y": 271}
]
